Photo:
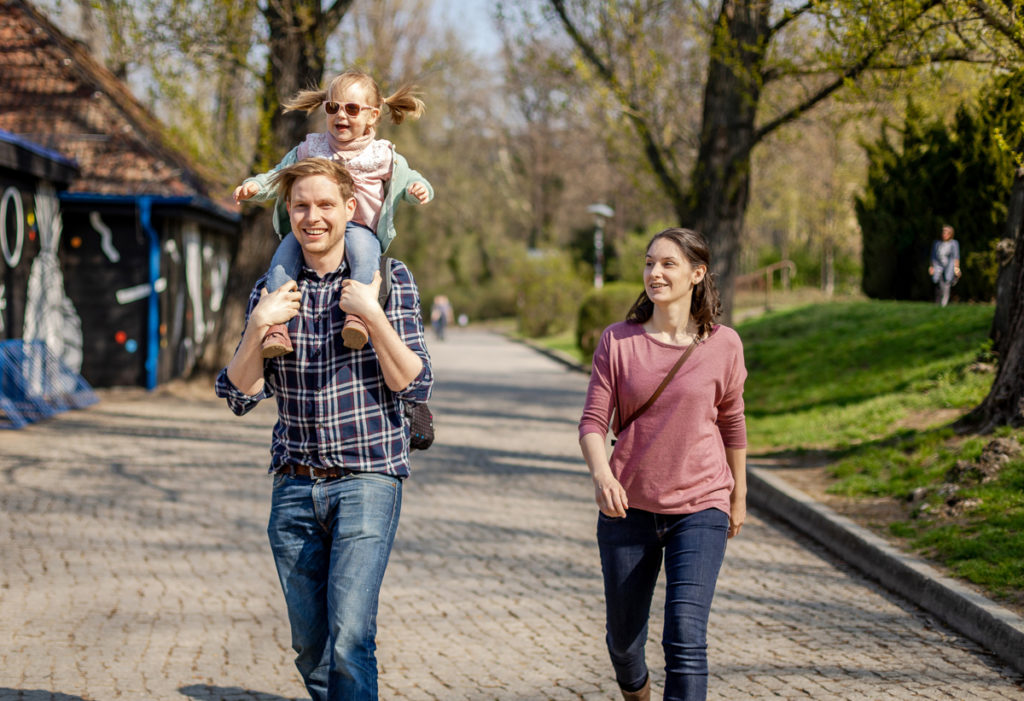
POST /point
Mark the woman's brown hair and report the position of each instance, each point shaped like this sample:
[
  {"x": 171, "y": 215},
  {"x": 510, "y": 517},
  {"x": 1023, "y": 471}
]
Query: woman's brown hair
[
  {"x": 403, "y": 103},
  {"x": 705, "y": 305}
]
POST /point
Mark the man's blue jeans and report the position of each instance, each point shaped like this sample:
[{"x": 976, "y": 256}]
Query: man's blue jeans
[
  {"x": 331, "y": 541},
  {"x": 631, "y": 554}
]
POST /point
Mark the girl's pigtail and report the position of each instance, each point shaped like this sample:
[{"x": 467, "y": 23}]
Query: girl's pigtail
[
  {"x": 305, "y": 100},
  {"x": 404, "y": 103}
]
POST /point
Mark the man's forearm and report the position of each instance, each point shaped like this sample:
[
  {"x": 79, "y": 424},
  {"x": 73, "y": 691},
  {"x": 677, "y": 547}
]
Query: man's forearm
[
  {"x": 246, "y": 367},
  {"x": 398, "y": 363}
]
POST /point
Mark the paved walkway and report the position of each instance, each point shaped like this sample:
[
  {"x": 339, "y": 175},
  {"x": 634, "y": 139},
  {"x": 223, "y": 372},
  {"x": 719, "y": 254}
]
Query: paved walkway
[{"x": 134, "y": 565}]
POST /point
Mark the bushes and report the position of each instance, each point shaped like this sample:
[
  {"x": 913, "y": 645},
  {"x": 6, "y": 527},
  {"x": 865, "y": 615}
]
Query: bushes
[
  {"x": 600, "y": 308},
  {"x": 549, "y": 290}
]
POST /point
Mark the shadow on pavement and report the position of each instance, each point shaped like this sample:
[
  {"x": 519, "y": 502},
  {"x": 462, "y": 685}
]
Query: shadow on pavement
[
  {"x": 35, "y": 695},
  {"x": 208, "y": 692}
]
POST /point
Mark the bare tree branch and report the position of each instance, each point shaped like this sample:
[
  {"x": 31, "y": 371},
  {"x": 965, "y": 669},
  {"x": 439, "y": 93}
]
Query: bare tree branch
[
  {"x": 865, "y": 63},
  {"x": 790, "y": 16},
  {"x": 660, "y": 158}
]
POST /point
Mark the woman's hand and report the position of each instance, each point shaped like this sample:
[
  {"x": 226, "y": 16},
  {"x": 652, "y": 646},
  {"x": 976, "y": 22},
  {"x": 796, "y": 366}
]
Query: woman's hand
[
  {"x": 737, "y": 512},
  {"x": 610, "y": 497}
]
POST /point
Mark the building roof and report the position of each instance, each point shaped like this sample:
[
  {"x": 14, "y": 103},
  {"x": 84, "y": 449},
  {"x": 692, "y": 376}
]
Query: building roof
[
  {"x": 54, "y": 93},
  {"x": 20, "y": 154}
]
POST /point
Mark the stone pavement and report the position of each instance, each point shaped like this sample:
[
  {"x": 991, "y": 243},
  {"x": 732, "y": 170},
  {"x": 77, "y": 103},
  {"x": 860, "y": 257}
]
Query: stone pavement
[{"x": 134, "y": 565}]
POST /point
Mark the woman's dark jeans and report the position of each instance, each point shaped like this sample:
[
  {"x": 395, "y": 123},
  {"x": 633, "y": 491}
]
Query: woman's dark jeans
[{"x": 631, "y": 556}]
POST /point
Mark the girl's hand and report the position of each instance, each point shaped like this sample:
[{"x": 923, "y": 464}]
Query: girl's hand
[
  {"x": 419, "y": 191},
  {"x": 611, "y": 497},
  {"x": 245, "y": 191}
]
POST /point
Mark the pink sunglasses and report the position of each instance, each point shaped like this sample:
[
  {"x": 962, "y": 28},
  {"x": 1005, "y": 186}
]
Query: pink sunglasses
[{"x": 352, "y": 109}]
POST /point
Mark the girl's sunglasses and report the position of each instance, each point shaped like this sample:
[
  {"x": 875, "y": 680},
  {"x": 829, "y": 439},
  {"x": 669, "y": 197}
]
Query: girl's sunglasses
[{"x": 352, "y": 109}]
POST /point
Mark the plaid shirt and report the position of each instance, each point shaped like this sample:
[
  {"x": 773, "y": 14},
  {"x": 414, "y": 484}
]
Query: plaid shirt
[{"x": 334, "y": 408}]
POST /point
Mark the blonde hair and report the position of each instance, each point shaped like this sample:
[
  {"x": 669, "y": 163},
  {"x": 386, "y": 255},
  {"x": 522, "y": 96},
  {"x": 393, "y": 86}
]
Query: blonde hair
[
  {"x": 284, "y": 179},
  {"x": 402, "y": 104}
]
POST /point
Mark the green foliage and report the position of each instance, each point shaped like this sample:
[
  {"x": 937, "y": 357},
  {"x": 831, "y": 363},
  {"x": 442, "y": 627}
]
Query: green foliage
[
  {"x": 958, "y": 174},
  {"x": 599, "y": 309},
  {"x": 548, "y": 293}
]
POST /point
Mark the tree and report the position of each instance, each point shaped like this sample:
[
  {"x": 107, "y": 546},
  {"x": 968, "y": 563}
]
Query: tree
[{"x": 753, "y": 46}]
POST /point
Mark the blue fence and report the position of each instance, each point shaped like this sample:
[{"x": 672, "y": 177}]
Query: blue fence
[{"x": 35, "y": 384}]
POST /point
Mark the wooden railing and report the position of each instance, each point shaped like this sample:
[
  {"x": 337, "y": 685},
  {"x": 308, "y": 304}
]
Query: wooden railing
[{"x": 763, "y": 279}]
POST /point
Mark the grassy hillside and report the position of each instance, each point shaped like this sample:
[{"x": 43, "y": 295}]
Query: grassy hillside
[{"x": 875, "y": 386}]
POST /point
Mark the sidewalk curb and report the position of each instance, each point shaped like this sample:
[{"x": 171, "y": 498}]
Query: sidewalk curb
[
  {"x": 558, "y": 356},
  {"x": 995, "y": 628}
]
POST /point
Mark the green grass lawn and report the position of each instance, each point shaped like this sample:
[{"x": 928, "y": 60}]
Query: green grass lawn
[{"x": 875, "y": 385}]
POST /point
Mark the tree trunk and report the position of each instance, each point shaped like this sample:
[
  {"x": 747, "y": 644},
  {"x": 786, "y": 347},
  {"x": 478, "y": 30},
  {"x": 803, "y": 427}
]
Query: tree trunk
[
  {"x": 1006, "y": 283},
  {"x": 720, "y": 189},
  {"x": 1004, "y": 404}
]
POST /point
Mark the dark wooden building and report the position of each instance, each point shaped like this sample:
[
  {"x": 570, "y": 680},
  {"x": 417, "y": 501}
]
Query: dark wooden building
[
  {"x": 25, "y": 168},
  {"x": 145, "y": 249}
]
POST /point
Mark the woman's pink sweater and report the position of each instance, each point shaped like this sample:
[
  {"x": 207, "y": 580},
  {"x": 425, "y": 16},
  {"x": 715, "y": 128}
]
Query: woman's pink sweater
[{"x": 671, "y": 460}]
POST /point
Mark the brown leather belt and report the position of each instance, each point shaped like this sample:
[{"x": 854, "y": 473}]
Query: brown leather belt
[{"x": 314, "y": 472}]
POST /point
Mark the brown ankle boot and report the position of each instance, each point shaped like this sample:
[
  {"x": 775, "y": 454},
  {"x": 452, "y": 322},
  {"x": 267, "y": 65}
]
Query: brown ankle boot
[
  {"x": 354, "y": 333},
  {"x": 277, "y": 342},
  {"x": 641, "y": 694}
]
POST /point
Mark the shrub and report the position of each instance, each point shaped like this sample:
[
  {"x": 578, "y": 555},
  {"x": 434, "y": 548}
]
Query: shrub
[
  {"x": 601, "y": 308},
  {"x": 549, "y": 291}
]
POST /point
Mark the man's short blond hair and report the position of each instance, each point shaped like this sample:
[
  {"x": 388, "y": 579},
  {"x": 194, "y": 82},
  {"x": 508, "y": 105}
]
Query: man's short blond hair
[{"x": 284, "y": 179}]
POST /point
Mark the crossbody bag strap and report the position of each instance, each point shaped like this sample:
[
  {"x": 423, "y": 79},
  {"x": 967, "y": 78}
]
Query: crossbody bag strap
[{"x": 661, "y": 388}]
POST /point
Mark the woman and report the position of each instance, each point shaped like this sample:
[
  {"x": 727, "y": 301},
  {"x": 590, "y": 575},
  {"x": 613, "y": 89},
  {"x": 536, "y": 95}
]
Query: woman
[{"x": 676, "y": 482}]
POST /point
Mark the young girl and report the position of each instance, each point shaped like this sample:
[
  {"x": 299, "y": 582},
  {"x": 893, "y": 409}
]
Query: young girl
[
  {"x": 675, "y": 487},
  {"x": 352, "y": 105}
]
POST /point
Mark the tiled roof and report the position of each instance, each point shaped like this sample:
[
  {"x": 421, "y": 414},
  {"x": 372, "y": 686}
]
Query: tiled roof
[{"x": 54, "y": 93}]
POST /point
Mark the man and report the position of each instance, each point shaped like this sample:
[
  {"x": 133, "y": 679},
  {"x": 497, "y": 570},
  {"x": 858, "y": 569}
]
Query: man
[
  {"x": 339, "y": 450},
  {"x": 945, "y": 265}
]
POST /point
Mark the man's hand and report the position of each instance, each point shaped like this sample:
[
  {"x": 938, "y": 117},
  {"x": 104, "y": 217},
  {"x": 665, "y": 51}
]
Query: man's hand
[
  {"x": 360, "y": 299},
  {"x": 419, "y": 191},
  {"x": 245, "y": 191},
  {"x": 276, "y": 307}
]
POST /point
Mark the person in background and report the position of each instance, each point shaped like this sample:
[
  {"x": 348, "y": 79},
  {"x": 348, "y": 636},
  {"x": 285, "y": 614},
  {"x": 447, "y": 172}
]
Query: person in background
[
  {"x": 674, "y": 489},
  {"x": 945, "y": 265},
  {"x": 441, "y": 315}
]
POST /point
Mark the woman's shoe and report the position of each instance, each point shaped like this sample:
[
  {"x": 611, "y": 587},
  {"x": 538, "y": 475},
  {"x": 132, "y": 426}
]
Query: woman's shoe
[
  {"x": 277, "y": 342},
  {"x": 641, "y": 694},
  {"x": 354, "y": 333}
]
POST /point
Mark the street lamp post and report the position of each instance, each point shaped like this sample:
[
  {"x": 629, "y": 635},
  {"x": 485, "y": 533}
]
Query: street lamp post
[{"x": 601, "y": 212}]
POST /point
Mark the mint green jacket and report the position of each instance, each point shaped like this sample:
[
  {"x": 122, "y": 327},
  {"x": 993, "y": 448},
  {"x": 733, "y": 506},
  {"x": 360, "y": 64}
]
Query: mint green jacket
[{"x": 395, "y": 188}]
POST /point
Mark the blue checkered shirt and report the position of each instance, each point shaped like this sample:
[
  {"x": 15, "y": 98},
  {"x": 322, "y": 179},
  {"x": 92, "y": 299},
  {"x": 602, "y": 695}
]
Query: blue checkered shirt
[{"x": 334, "y": 408}]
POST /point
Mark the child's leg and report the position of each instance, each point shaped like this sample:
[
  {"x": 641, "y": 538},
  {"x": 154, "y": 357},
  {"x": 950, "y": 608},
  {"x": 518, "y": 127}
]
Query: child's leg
[
  {"x": 284, "y": 266},
  {"x": 362, "y": 252},
  {"x": 286, "y": 263}
]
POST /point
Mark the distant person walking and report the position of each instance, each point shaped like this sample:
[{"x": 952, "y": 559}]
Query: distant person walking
[
  {"x": 675, "y": 486},
  {"x": 945, "y": 265},
  {"x": 441, "y": 315}
]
